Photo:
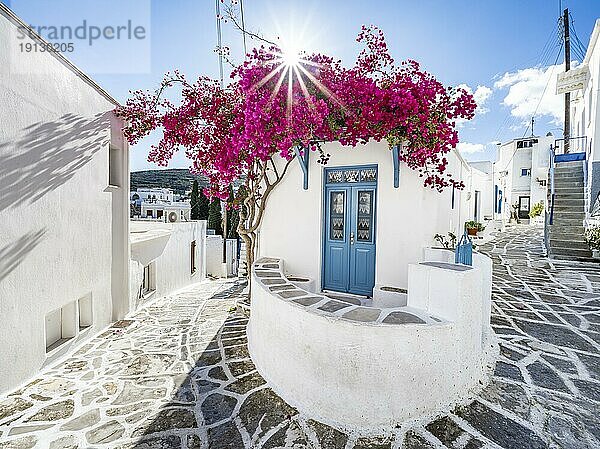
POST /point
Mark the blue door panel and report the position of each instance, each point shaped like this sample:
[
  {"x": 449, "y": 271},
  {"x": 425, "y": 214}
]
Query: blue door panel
[
  {"x": 336, "y": 239},
  {"x": 337, "y": 276}
]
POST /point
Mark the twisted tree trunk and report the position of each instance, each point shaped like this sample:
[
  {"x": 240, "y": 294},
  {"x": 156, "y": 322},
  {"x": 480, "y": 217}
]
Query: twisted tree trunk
[{"x": 261, "y": 180}]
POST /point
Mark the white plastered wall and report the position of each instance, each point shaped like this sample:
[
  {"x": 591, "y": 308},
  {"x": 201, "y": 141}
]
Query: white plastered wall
[
  {"x": 170, "y": 252},
  {"x": 408, "y": 217},
  {"x": 63, "y": 230}
]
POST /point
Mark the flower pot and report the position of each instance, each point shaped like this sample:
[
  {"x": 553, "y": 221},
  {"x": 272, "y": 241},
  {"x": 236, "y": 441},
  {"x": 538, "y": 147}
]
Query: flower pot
[{"x": 472, "y": 231}]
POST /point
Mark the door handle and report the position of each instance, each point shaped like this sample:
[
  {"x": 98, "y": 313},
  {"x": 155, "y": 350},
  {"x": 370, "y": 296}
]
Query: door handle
[{"x": 352, "y": 238}]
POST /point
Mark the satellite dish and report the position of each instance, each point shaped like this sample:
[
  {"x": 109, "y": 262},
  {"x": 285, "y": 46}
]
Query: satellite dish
[{"x": 172, "y": 217}]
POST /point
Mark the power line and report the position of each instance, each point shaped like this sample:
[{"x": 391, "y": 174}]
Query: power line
[
  {"x": 538, "y": 104},
  {"x": 578, "y": 44},
  {"x": 550, "y": 45}
]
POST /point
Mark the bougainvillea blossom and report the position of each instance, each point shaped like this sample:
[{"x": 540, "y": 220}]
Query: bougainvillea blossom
[{"x": 271, "y": 106}]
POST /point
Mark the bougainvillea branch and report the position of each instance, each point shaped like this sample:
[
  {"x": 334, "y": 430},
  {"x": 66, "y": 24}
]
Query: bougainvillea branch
[{"x": 277, "y": 101}]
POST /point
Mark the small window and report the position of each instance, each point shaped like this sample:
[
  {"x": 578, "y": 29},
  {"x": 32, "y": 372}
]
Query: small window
[
  {"x": 148, "y": 283},
  {"x": 60, "y": 326},
  {"x": 193, "y": 257},
  {"x": 114, "y": 167},
  {"x": 149, "y": 213},
  {"x": 525, "y": 172}
]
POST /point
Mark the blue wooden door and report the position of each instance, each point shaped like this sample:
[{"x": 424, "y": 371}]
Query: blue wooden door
[{"x": 349, "y": 231}]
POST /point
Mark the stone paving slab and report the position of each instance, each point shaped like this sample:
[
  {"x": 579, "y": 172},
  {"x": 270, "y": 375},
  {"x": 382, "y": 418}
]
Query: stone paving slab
[{"x": 178, "y": 374}]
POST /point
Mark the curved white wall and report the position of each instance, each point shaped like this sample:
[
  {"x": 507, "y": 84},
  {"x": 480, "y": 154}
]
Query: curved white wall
[
  {"x": 371, "y": 375},
  {"x": 407, "y": 217}
]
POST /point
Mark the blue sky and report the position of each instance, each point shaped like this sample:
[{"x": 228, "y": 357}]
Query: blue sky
[{"x": 500, "y": 49}]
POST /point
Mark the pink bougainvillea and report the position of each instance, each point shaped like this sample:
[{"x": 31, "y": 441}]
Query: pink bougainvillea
[{"x": 270, "y": 106}]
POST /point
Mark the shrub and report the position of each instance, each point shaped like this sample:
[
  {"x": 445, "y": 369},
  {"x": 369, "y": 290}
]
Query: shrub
[
  {"x": 474, "y": 225},
  {"x": 536, "y": 210},
  {"x": 592, "y": 236},
  {"x": 448, "y": 243}
]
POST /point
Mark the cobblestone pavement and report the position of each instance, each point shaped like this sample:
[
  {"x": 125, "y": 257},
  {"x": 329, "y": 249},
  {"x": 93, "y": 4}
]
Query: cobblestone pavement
[{"x": 178, "y": 375}]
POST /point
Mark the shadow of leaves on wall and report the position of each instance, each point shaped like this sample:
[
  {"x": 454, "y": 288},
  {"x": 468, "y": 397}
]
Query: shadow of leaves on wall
[
  {"x": 48, "y": 155},
  {"x": 13, "y": 254}
]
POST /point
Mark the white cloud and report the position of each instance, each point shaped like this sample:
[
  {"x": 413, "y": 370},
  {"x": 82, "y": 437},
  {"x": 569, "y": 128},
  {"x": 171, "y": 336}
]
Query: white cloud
[
  {"x": 525, "y": 88},
  {"x": 470, "y": 148},
  {"x": 480, "y": 95}
]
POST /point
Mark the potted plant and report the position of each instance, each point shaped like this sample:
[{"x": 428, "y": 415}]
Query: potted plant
[
  {"x": 473, "y": 227},
  {"x": 592, "y": 237},
  {"x": 447, "y": 243},
  {"x": 536, "y": 211},
  {"x": 514, "y": 214}
]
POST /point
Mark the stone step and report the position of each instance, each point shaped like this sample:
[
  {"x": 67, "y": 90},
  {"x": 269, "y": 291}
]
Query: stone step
[
  {"x": 568, "y": 243},
  {"x": 567, "y": 188},
  {"x": 558, "y": 199},
  {"x": 570, "y": 173},
  {"x": 568, "y": 165},
  {"x": 567, "y": 250},
  {"x": 558, "y": 228},
  {"x": 569, "y": 206},
  {"x": 569, "y": 182},
  {"x": 578, "y": 257},
  {"x": 567, "y": 221},
  {"x": 569, "y": 195}
]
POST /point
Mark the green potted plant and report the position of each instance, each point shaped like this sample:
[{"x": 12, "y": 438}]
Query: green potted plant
[
  {"x": 592, "y": 237},
  {"x": 536, "y": 211},
  {"x": 473, "y": 227}
]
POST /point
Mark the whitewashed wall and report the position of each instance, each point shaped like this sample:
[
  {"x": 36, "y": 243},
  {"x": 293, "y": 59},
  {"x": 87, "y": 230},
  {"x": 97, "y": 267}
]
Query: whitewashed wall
[
  {"x": 407, "y": 217},
  {"x": 63, "y": 230},
  {"x": 214, "y": 255},
  {"x": 168, "y": 246}
]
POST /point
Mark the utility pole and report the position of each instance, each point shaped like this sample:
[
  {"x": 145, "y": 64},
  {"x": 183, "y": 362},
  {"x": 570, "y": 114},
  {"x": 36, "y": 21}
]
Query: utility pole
[
  {"x": 567, "y": 129},
  {"x": 532, "y": 123},
  {"x": 221, "y": 76}
]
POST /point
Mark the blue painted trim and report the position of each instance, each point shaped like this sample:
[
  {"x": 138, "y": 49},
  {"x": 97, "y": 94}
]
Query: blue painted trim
[
  {"x": 569, "y": 157},
  {"x": 303, "y": 160},
  {"x": 396, "y": 158},
  {"x": 496, "y": 199}
]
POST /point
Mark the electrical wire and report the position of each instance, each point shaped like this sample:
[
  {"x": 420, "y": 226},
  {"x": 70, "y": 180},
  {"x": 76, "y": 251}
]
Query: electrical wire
[
  {"x": 552, "y": 42},
  {"x": 538, "y": 104}
]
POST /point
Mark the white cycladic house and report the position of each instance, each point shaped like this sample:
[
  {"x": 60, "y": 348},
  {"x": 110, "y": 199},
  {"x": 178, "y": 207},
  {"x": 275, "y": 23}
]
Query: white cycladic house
[
  {"x": 352, "y": 229},
  {"x": 165, "y": 257},
  {"x": 350, "y": 304},
  {"x": 585, "y": 122},
  {"x": 153, "y": 194},
  {"x": 161, "y": 204},
  {"x": 64, "y": 254},
  {"x": 520, "y": 178},
  {"x": 68, "y": 265}
]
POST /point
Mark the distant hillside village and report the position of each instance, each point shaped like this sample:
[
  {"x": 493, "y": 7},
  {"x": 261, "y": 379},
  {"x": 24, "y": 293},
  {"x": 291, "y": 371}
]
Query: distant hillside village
[{"x": 179, "y": 180}]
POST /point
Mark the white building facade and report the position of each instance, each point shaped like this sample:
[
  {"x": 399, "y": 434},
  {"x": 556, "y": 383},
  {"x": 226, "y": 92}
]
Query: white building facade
[
  {"x": 165, "y": 257},
  {"x": 160, "y": 204},
  {"x": 63, "y": 256},
  {"x": 352, "y": 230},
  {"x": 521, "y": 176},
  {"x": 585, "y": 121}
]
